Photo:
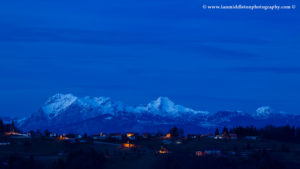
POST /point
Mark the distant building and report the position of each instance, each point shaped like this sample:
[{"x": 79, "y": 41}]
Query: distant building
[
  {"x": 63, "y": 137},
  {"x": 130, "y": 136},
  {"x": 99, "y": 137},
  {"x": 16, "y": 137},
  {"x": 213, "y": 152},
  {"x": 21, "y": 136},
  {"x": 128, "y": 145},
  {"x": 208, "y": 152},
  {"x": 192, "y": 136},
  {"x": 167, "y": 136},
  {"x": 53, "y": 134},
  {"x": 179, "y": 141},
  {"x": 219, "y": 137},
  {"x": 13, "y": 133},
  {"x": 116, "y": 136}
]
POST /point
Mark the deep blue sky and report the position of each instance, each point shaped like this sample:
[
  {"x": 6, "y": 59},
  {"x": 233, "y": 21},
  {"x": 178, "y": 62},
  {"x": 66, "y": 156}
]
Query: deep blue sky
[{"x": 135, "y": 51}]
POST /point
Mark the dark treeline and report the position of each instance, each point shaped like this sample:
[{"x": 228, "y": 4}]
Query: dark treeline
[
  {"x": 7, "y": 127},
  {"x": 283, "y": 133}
]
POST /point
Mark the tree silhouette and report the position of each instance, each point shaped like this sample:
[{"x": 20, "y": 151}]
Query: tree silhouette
[
  {"x": 217, "y": 132},
  {"x": 47, "y": 133},
  {"x": 181, "y": 132},
  {"x": 225, "y": 131},
  {"x": 174, "y": 132},
  {"x": 1, "y": 126}
]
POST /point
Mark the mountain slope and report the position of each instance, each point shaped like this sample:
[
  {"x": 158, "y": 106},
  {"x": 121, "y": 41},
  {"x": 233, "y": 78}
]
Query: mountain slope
[{"x": 65, "y": 113}]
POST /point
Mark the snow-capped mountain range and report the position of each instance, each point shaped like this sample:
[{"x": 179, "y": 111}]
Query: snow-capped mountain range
[{"x": 65, "y": 113}]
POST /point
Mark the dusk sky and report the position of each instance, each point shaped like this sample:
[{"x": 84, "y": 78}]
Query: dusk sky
[{"x": 135, "y": 51}]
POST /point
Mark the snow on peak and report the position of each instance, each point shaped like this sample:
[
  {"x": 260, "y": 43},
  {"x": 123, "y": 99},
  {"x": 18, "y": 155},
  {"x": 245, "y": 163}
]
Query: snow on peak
[
  {"x": 263, "y": 111},
  {"x": 104, "y": 104},
  {"x": 163, "y": 106},
  {"x": 93, "y": 101},
  {"x": 61, "y": 105},
  {"x": 57, "y": 103}
]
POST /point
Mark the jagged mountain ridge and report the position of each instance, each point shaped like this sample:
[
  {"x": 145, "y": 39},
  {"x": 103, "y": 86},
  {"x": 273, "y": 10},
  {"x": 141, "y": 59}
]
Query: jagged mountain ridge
[{"x": 65, "y": 113}]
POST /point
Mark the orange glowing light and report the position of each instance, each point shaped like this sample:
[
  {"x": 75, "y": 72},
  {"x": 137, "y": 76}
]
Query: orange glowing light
[
  {"x": 63, "y": 138},
  {"x": 129, "y": 135},
  {"x": 128, "y": 145},
  {"x": 200, "y": 153},
  {"x": 12, "y": 133},
  {"x": 167, "y": 136},
  {"x": 163, "y": 150}
]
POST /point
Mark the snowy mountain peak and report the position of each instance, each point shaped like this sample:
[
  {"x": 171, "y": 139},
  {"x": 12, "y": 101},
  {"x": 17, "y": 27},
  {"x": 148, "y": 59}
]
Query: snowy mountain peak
[
  {"x": 163, "y": 100},
  {"x": 58, "y": 103},
  {"x": 263, "y": 112},
  {"x": 164, "y": 106},
  {"x": 67, "y": 113},
  {"x": 102, "y": 104},
  {"x": 59, "y": 97}
]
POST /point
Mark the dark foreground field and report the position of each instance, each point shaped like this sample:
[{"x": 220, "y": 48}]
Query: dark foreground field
[{"x": 204, "y": 152}]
